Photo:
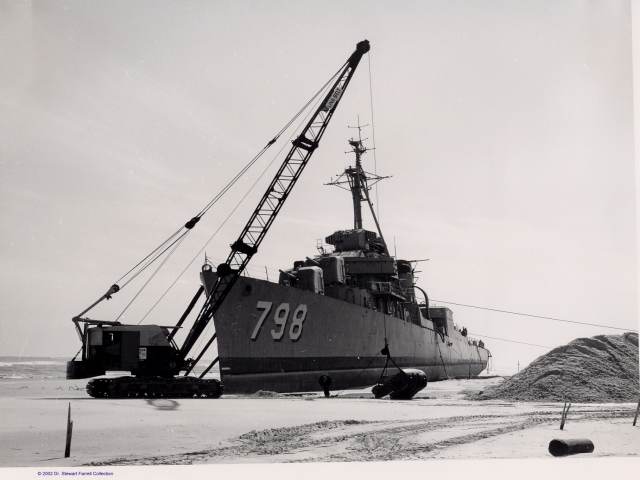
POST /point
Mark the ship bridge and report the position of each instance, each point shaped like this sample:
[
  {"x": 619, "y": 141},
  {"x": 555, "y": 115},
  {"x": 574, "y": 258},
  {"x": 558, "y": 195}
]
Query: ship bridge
[
  {"x": 356, "y": 239},
  {"x": 359, "y": 270}
]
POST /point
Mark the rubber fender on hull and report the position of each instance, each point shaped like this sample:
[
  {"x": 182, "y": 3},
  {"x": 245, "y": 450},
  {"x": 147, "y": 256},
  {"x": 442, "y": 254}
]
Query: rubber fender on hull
[{"x": 401, "y": 386}]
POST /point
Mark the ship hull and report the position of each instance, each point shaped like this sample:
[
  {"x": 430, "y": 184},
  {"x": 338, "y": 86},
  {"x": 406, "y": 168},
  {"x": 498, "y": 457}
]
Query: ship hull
[{"x": 283, "y": 339}]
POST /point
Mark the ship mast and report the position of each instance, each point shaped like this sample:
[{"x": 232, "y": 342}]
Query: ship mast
[{"x": 359, "y": 182}]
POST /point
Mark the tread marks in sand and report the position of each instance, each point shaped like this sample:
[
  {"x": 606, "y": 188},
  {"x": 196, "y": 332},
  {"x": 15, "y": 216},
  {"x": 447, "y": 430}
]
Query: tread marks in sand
[{"x": 353, "y": 440}]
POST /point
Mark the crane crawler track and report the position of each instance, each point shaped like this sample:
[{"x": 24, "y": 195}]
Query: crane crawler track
[{"x": 154, "y": 387}]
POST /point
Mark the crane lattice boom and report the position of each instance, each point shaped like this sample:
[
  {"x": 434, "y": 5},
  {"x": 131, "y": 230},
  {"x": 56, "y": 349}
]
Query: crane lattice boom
[{"x": 243, "y": 249}]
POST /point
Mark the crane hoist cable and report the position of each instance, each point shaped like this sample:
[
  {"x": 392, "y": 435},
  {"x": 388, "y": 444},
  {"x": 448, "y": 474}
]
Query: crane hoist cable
[
  {"x": 271, "y": 142},
  {"x": 196, "y": 218},
  {"x": 231, "y": 213},
  {"x": 151, "y": 277},
  {"x": 177, "y": 236},
  {"x": 176, "y": 241}
]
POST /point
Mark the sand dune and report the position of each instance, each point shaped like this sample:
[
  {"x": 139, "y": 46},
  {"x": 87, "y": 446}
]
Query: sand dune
[{"x": 603, "y": 368}]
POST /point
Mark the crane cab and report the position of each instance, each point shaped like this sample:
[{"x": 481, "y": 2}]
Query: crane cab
[{"x": 143, "y": 350}]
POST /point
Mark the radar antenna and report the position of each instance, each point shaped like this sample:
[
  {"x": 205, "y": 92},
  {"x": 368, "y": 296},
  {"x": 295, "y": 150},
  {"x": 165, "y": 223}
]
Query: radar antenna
[{"x": 358, "y": 181}]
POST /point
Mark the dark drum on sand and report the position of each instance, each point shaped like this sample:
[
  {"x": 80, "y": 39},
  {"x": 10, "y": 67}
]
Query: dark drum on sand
[{"x": 561, "y": 448}]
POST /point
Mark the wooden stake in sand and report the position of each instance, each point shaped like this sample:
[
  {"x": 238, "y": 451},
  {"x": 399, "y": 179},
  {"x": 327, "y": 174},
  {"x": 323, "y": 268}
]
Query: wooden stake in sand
[
  {"x": 565, "y": 410},
  {"x": 635, "y": 419},
  {"x": 67, "y": 448}
]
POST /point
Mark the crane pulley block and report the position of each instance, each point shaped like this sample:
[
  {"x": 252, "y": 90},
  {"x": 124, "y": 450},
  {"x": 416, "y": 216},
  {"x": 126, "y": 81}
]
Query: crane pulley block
[
  {"x": 224, "y": 269},
  {"x": 304, "y": 142},
  {"x": 242, "y": 247},
  {"x": 115, "y": 288},
  {"x": 192, "y": 223}
]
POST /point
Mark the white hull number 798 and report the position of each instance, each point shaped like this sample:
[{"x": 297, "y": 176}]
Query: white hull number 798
[{"x": 280, "y": 318}]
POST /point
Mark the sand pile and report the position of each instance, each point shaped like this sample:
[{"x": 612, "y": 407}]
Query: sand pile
[{"x": 597, "y": 369}]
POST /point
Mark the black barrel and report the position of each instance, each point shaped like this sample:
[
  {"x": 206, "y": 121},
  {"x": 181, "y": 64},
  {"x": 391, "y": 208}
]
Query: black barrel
[
  {"x": 402, "y": 386},
  {"x": 561, "y": 448},
  {"x": 396, "y": 382},
  {"x": 416, "y": 381}
]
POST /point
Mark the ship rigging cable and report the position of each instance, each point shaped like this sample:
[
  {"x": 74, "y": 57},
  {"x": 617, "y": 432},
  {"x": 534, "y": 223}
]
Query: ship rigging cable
[
  {"x": 373, "y": 134},
  {"x": 385, "y": 351},
  {"x": 536, "y": 316},
  {"x": 508, "y": 340}
]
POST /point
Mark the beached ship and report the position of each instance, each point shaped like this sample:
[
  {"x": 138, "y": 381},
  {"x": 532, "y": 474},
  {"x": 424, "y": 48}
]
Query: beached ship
[
  {"x": 347, "y": 315},
  {"x": 345, "y": 318}
]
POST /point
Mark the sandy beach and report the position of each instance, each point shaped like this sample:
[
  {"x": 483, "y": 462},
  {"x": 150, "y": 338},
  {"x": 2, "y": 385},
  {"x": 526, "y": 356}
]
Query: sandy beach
[{"x": 350, "y": 426}]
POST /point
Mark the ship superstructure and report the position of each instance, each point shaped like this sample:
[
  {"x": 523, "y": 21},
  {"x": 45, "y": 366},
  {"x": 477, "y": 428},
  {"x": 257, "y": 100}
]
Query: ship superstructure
[{"x": 350, "y": 315}]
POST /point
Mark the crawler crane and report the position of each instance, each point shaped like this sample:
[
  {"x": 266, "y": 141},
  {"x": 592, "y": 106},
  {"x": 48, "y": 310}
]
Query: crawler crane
[{"x": 159, "y": 366}]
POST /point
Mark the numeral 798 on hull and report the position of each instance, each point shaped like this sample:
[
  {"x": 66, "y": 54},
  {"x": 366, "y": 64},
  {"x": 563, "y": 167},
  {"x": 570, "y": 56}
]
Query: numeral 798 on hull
[{"x": 280, "y": 319}]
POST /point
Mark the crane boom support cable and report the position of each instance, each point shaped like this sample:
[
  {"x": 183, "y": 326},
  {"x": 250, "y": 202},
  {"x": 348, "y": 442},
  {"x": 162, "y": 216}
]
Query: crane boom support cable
[
  {"x": 246, "y": 246},
  {"x": 151, "y": 261},
  {"x": 555, "y": 319},
  {"x": 213, "y": 235},
  {"x": 268, "y": 145},
  {"x": 150, "y": 254},
  {"x": 176, "y": 243},
  {"x": 231, "y": 213},
  {"x": 231, "y": 183},
  {"x": 275, "y": 157}
]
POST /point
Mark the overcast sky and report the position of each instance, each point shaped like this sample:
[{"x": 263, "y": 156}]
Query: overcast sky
[{"x": 507, "y": 127}]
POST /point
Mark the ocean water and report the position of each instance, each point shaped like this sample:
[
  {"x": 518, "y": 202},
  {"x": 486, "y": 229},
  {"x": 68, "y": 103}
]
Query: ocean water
[
  {"x": 52, "y": 368},
  {"x": 36, "y": 368}
]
